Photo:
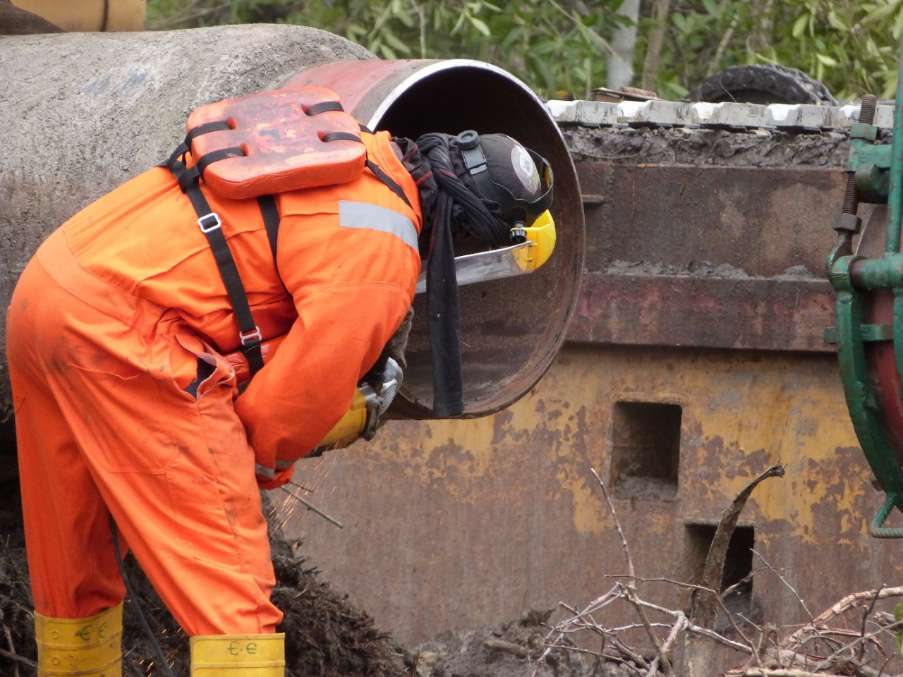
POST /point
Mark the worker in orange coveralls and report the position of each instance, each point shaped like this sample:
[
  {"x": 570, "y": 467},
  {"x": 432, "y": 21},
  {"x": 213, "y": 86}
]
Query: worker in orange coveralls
[{"x": 127, "y": 408}]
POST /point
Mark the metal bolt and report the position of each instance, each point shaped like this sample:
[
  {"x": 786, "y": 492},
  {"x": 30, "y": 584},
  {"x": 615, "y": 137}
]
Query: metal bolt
[{"x": 866, "y": 116}]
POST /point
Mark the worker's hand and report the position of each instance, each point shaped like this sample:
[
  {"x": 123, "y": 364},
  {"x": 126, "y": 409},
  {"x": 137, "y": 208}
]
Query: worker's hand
[
  {"x": 399, "y": 341},
  {"x": 281, "y": 478}
]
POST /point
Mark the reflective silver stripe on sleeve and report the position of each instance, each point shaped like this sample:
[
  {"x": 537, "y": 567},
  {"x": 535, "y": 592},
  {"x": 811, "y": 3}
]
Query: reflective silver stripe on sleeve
[
  {"x": 374, "y": 217},
  {"x": 263, "y": 471},
  {"x": 282, "y": 465}
]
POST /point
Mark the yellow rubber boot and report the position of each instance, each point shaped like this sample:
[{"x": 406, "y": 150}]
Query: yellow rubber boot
[
  {"x": 86, "y": 647},
  {"x": 245, "y": 655}
]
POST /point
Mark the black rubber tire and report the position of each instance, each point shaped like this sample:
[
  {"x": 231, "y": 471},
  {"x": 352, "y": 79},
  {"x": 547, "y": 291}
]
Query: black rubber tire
[{"x": 763, "y": 85}]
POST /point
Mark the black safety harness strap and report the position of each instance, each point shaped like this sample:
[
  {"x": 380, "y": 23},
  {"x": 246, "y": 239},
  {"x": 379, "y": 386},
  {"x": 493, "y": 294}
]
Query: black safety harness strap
[
  {"x": 185, "y": 146},
  {"x": 390, "y": 183},
  {"x": 211, "y": 224},
  {"x": 270, "y": 213},
  {"x": 323, "y": 107}
]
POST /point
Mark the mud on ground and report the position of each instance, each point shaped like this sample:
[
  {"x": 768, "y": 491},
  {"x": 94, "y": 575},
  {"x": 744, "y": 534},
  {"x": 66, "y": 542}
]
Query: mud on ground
[{"x": 326, "y": 636}]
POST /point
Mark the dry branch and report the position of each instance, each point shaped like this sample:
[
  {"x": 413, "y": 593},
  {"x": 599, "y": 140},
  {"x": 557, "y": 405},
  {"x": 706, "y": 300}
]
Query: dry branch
[
  {"x": 704, "y": 605},
  {"x": 704, "y": 602},
  {"x": 784, "y": 581}
]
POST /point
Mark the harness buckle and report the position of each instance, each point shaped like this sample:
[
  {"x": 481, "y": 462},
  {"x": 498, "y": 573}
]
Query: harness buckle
[
  {"x": 209, "y": 222},
  {"x": 251, "y": 336}
]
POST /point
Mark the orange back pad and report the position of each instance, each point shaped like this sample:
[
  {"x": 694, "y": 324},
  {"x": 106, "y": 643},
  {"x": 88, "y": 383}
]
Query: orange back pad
[{"x": 283, "y": 144}]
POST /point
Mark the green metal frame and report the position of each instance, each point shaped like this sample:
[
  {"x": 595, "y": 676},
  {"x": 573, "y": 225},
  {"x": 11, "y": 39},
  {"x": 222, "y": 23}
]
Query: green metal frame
[{"x": 877, "y": 172}]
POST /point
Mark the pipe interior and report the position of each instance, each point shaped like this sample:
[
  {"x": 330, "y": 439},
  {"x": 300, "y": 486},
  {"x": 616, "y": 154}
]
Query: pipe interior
[{"x": 511, "y": 329}]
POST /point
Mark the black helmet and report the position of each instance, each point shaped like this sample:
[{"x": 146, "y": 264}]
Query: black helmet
[
  {"x": 494, "y": 185},
  {"x": 515, "y": 181}
]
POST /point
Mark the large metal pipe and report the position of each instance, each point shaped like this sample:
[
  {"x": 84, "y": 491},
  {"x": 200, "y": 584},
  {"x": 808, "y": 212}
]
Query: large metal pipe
[
  {"x": 512, "y": 329},
  {"x": 83, "y": 113}
]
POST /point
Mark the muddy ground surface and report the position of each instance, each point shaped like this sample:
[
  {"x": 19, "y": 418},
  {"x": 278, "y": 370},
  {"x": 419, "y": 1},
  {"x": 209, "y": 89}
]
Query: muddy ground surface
[{"x": 326, "y": 636}]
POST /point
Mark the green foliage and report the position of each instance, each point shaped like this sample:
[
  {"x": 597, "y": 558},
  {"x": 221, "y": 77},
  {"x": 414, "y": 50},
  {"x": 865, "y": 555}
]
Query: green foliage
[
  {"x": 691, "y": 49},
  {"x": 849, "y": 45},
  {"x": 551, "y": 44},
  {"x": 561, "y": 45}
]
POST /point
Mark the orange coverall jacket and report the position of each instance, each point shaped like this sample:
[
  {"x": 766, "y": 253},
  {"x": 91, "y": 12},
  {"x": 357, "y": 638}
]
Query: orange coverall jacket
[{"x": 125, "y": 405}]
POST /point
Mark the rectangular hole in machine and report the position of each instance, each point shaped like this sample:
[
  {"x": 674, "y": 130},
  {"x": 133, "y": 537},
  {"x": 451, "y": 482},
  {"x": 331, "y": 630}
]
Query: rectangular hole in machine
[{"x": 645, "y": 449}]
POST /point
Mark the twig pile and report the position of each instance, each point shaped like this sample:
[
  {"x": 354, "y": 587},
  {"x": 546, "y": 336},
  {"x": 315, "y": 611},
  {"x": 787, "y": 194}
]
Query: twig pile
[{"x": 851, "y": 638}]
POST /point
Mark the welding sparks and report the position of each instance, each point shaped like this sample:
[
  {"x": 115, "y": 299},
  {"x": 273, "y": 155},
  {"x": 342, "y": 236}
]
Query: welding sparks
[
  {"x": 315, "y": 473},
  {"x": 310, "y": 506},
  {"x": 302, "y": 487}
]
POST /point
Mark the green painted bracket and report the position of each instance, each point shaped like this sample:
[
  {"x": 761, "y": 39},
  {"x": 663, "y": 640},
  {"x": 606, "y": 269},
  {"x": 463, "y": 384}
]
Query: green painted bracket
[
  {"x": 870, "y": 333},
  {"x": 870, "y": 165},
  {"x": 861, "y": 400},
  {"x": 863, "y": 152},
  {"x": 876, "y": 530},
  {"x": 878, "y": 177}
]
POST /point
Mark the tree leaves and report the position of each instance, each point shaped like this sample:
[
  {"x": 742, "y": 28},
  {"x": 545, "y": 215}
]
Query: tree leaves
[
  {"x": 560, "y": 46},
  {"x": 851, "y": 46}
]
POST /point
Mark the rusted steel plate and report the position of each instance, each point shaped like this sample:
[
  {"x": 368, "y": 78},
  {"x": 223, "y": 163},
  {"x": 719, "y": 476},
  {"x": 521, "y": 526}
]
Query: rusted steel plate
[
  {"x": 759, "y": 220},
  {"x": 752, "y": 313},
  {"x": 707, "y": 256},
  {"x": 511, "y": 497}
]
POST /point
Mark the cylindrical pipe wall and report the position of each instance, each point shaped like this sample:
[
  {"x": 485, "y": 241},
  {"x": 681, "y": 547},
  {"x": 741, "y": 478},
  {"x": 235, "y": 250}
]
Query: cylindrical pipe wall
[{"x": 511, "y": 329}]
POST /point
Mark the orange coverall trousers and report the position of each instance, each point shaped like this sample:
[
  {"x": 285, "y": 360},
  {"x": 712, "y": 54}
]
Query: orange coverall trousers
[{"x": 82, "y": 376}]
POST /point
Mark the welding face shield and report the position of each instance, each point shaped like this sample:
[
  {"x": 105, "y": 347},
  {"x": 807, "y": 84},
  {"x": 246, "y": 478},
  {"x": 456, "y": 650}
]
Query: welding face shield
[{"x": 515, "y": 183}]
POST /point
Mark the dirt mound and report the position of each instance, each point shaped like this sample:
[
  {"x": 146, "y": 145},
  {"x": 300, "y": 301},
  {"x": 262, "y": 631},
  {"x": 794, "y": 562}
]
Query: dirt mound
[
  {"x": 509, "y": 650},
  {"x": 325, "y": 635}
]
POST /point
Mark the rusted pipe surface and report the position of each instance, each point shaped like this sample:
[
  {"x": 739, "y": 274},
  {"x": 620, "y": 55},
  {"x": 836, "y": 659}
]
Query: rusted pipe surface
[{"x": 710, "y": 312}]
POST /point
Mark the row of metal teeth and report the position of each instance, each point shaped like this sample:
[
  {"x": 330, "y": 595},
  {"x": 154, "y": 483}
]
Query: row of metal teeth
[{"x": 718, "y": 115}]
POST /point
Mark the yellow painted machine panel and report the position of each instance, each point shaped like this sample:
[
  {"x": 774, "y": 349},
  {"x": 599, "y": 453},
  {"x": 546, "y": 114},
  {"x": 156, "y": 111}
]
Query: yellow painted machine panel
[{"x": 507, "y": 508}]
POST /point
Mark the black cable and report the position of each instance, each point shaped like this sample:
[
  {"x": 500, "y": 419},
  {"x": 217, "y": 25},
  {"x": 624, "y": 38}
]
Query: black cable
[
  {"x": 128, "y": 587},
  {"x": 469, "y": 210}
]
